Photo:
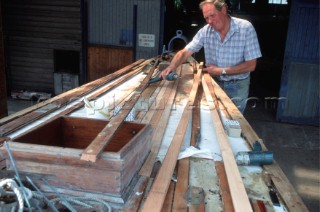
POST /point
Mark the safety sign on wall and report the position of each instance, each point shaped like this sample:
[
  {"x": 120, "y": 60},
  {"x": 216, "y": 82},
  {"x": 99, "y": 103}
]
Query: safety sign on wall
[{"x": 146, "y": 40}]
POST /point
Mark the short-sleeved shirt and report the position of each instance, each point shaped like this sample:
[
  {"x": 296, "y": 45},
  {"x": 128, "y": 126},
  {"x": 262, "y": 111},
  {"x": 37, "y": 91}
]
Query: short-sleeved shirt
[{"x": 240, "y": 44}]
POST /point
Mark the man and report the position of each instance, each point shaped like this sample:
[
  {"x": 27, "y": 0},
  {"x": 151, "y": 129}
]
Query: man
[{"x": 231, "y": 50}]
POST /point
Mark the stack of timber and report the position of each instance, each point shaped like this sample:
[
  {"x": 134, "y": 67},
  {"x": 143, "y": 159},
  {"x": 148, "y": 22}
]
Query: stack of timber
[{"x": 133, "y": 165}]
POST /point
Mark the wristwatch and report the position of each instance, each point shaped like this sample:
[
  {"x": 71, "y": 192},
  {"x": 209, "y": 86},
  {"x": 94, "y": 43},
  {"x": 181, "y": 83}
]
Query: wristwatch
[{"x": 223, "y": 72}]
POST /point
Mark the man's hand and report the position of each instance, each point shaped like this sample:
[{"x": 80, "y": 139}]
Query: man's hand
[
  {"x": 165, "y": 72},
  {"x": 213, "y": 70},
  {"x": 177, "y": 60}
]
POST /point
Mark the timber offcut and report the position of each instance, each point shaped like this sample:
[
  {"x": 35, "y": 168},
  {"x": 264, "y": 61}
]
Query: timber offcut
[{"x": 160, "y": 146}]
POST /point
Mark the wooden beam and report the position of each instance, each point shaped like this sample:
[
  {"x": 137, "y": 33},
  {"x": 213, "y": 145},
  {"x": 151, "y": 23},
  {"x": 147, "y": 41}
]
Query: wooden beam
[
  {"x": 160, "y": 187},
  {"x": 97, "y": 146},
  {"x": 238, "y": 193}
]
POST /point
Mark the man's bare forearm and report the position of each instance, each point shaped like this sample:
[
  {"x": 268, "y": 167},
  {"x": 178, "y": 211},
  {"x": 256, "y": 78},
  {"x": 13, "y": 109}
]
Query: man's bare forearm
[
  {"x": 244, "y": 67},
  {"x": 177, "y": 60}
]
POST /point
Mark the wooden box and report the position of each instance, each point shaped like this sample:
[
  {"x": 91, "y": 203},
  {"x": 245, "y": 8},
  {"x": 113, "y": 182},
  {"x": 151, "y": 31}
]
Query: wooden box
[{"x": 52, "y": 151}]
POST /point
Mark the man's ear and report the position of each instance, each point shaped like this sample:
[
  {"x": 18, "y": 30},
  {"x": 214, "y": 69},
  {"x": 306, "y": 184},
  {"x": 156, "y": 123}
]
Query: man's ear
[{"x": 224, "y": 9}]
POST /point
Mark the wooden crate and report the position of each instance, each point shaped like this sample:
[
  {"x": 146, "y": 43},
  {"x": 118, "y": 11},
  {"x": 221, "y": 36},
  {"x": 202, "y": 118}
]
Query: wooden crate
[{"x": 52, "y": 151}]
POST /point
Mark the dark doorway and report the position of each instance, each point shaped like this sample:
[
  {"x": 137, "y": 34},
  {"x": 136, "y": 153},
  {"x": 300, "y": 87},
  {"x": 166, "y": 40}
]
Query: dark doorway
[
  {"x": 66, "y": 70},
  {"x": 67, "y": 61}
]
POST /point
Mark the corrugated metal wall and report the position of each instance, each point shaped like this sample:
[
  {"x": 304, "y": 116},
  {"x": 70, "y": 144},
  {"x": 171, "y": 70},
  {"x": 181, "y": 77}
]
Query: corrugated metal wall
[
  {"x": 300, "y": 77},
  {"x": 111, "y": 23},
  {"x": 34, "y": 29}
]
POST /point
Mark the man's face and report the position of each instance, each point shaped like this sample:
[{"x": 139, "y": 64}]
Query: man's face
[{"x": 213, "y": 17}]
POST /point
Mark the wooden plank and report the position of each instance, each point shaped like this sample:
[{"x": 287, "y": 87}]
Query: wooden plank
[
  {"x": 224, "y": 187},
  {"x": 195, "y": 130},
  {"x": 92, "y": 152},
  {"x": 160, "y": 187},
  {"x": 168, "y": 202},
  {"x": 285, "y": 189},
  {"x": 167, "y": 205},
  {"x": 180, "y": 203},
  {"x": 258, "y": 206},
  {"x": 238, "y": 193}
]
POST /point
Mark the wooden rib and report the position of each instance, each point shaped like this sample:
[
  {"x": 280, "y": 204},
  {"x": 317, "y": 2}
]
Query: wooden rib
[
  {"x": 159, "y": 188},
  {"x": 97, "y": 146},
  {"x": 283, "y": 186},
  {"x": 238, "y": 193}
]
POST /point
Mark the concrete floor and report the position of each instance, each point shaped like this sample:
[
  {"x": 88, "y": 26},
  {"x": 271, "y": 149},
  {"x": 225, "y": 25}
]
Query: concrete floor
[{"x": 295, "y": 148}]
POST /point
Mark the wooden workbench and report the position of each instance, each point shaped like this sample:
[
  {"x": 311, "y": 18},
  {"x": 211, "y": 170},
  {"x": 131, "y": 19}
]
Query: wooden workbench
[{"x": 187, "y": 112}]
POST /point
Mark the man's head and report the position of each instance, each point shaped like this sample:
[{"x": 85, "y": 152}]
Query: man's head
[
  {"x": 215, "y": 13},
  {"x": 217, "y": 3}
]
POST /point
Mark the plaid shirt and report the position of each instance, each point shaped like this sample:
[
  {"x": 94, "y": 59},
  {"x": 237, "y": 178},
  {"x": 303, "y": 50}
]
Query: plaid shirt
[{"x": 240, "y": 44}]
